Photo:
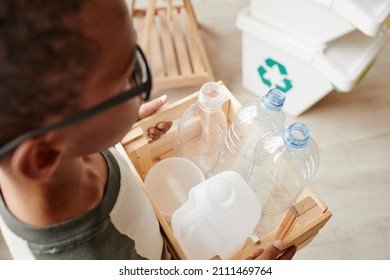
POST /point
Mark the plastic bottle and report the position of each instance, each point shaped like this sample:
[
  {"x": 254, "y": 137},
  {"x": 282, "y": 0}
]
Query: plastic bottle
[
  {"x": 284, "y": 162},
  {"x": 253, "y": 120},
  {"x": 220, "y": 214},
  {"x": 201, "y": 128}
]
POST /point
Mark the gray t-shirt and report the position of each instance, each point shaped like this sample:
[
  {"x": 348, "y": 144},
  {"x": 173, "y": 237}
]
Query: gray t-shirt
[{"x": 122, "y": 226}]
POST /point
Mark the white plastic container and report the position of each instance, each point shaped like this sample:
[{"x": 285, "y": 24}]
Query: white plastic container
[
  {"x": 305, "y": 20},
  {"x": 169, "y": 182},
  {"x": 218, "y": 217},
  {"x": 305, "y": 68},
  {"x": 369, "y": 16}
]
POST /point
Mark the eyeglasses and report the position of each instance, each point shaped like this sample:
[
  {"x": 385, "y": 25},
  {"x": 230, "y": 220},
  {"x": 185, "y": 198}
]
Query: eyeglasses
[{"x": 143, "y": 79}]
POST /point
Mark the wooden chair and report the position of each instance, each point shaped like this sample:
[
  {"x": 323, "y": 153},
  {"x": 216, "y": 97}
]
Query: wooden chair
[{"x": 169, "y": 36}]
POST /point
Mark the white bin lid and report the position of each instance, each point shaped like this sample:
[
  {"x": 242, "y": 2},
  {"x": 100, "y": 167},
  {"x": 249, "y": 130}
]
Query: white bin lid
[
  {"x": 303, "y": 19},
  {"x": 368, "y": 16},
  {"x": 342, "y": 61}
]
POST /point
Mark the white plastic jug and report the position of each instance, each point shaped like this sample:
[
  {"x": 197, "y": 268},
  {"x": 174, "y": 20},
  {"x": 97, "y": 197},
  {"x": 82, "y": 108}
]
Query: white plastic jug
[{"x": 218, "y": 217}]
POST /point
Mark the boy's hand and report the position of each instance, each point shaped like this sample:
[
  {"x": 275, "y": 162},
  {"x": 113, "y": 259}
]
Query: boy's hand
[
  {"x": 148, "y": 109},
  {"x": 272, "y": 252}
]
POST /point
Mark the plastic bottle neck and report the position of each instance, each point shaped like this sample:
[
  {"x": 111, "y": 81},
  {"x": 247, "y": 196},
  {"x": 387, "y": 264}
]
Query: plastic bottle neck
[
  {"x": 220, "y": 194},
  {"x": 211, "y": 96},
  {"x": 274, "y": 99},
  {"x": 297, "y": 136}
]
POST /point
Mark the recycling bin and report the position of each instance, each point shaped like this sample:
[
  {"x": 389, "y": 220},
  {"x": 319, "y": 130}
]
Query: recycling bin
[
  {"x": 369, "y": 16},
  {"x": 306, "y": 52}
]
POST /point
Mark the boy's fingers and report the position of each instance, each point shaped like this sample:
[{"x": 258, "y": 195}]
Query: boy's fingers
[
  {"x": 152, "y": 132},
  {"x": 289, "y": 253},
  {"x": 161, "y": 128},
  {"x": 257, "y": 253},
  {"x": 164, "y": 126},
  {"x": 152, "y": 106},
  {"x": 272, "y": 251}
]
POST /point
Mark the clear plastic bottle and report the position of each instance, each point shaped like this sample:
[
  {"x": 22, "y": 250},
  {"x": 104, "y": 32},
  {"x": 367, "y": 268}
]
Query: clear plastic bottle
[
  {"x": 201, "y": 128},
  {"x": 218, "y": 217},
  {"x": 284, "y": 162},
  {"x": 253, "y": 120}
]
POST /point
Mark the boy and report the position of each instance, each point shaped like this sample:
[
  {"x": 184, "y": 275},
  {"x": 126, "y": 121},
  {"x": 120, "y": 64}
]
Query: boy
[{"x": 72, "y": 81}]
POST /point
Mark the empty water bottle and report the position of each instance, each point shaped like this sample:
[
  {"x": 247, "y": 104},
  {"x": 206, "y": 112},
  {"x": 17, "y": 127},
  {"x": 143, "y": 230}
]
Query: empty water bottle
[
  {"x": 201, "y": 128},
  {"x": 253, "y": 120},
  {"x": 284, "y": 162}
]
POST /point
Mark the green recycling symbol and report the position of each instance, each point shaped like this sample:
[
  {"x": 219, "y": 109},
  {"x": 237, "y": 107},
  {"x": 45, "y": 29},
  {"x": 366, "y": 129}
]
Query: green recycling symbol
[{"x": 283, "y": 83}]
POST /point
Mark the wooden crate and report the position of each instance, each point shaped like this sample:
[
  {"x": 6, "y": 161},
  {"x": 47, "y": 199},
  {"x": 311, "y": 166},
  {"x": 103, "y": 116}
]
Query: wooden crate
[
  {"x": 142, "y": 153},
  {"x": 169, "y": 36}
]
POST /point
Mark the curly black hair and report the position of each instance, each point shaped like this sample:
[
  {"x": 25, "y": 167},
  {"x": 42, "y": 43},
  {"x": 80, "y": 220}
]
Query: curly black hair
[{"x": 45, "y": 60}]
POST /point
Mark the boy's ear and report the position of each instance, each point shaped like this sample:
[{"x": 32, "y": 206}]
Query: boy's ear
[{"x": 35, "y": 159}]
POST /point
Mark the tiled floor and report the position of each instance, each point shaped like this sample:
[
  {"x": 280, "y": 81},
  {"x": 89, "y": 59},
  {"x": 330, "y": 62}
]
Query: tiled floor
[{"x": 353, "y": 134}]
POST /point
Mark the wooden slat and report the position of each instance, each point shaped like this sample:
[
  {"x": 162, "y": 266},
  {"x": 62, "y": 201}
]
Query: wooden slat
[
  {"x": 139, "y": 154},
  {"x": 168, "y": 48},
  {"x": 307, "y": 241},
  {"x": 182, "y": 81},
  {"x": 169, "y": 8},
  {"x": 200, "y": 47},
  {"x": 137, "y": 13},
  {"x": 191, "y": 21},
  {"x": 156, "y": 55},
  {"x": 138, "y": 23},
  {"x": 181, "y": 48},
  {"x": 234, "y": 105},
  {"x": 132, "y": 8},
  {"x": 188, "y": 6},
  {"x": 164, "y": 145},
  {"x": 133, "y": 134},
  {"x": 310, "y": 230},
  {"x": 148, "y": 24},
  {"x": 196, "y": 59},
  {"x": 142, "y": 12}
]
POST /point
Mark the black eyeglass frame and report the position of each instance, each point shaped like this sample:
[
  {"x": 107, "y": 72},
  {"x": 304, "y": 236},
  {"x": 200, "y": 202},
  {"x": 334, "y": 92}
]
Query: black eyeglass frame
[{"x": 142, "y": 87}]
